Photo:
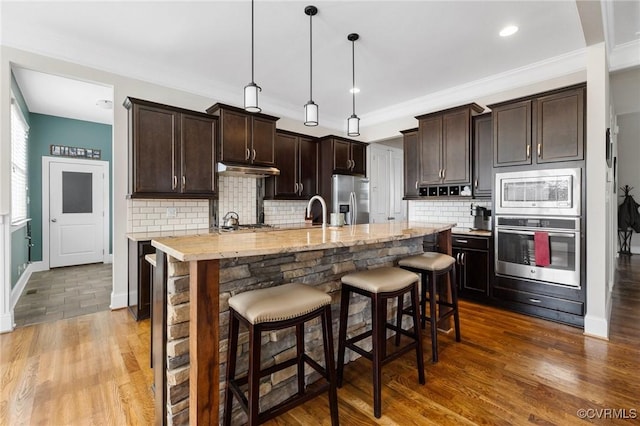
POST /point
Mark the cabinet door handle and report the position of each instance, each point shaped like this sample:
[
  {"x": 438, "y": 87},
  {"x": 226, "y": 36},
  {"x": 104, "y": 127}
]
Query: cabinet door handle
[
  {"x": 444, "y": 173},
  {"x": 247, "y": 154},
  {"x": 416, "y": 184},
  {"x": 253, "y": 156},
  {"x": 476, "y": 183},
  {"x": 539, "y": 149},
  {"x": 184, "y": 181},
  {"x": 301, "y": 188},
  {"x": 535, "y": 300},
  {"x": 458, "y": 258},
  {"x": 463, "y": 258},
  {"x": 175, "y": 182},
  {"x": 528, "y": 151},
  {"x": 462, "y": 241},
  {"x": 295, "y": 187}
]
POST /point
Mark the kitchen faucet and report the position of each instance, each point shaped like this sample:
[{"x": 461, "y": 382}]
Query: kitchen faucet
[{"x": 324, "y": 208}]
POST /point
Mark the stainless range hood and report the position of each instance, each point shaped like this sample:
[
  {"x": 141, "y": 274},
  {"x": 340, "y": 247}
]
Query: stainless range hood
[{"x": 246, "y": 170}]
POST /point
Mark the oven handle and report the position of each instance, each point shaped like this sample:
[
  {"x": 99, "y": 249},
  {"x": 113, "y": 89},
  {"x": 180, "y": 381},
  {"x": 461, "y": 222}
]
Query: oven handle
[{"x": 554, "y": 233}]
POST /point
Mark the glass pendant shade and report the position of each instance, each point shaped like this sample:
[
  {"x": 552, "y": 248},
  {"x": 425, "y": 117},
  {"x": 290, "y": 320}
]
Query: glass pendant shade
[
  {"x": 251, "y": 97},
  {"x": 311, "y": 114},
  {"x": 353, "y": 125}
]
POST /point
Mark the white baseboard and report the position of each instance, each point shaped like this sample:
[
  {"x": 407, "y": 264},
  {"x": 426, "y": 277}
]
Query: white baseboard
[
  {"x": 119, "y": 300},
  {"x": 6, "y": 322},
  {"x": 38, "y": 266},
  {"x": 107, "y": 258},
  {"x": 16, "y": 291},
  {"x": 596, "y": 326}
]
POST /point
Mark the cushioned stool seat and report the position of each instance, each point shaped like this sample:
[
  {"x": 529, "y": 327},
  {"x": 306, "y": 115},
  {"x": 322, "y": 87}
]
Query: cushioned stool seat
[
  {"x": 274, "y": 308},
  {"x": 431, "y": 265},
  {"x": 380, "y": 285}
]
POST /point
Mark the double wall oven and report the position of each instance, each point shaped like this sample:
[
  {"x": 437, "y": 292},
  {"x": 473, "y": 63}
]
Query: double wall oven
[{"x": 538, "y": 226}]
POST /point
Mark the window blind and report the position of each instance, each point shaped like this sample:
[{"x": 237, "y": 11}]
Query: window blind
[{"x": 19, "y": 184}]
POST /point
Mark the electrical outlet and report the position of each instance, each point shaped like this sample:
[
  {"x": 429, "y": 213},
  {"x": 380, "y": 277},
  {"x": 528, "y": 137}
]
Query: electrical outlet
[{"x": 172, "y": 212}]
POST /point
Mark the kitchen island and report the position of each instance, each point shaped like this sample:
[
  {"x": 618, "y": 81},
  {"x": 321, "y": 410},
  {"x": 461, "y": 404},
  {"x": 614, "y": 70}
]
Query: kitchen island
[{"x": 197, "y": 274}]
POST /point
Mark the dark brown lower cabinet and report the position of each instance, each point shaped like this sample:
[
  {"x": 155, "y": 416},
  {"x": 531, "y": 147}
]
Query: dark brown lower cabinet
[
  {"x": 139, "y": 279},
  {"x": 474, "y": 265}
]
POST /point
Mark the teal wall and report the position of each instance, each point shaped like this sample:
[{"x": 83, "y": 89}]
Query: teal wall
[
  {"x": 19, "y": 250},
  {"x": 47, "y": 130}
]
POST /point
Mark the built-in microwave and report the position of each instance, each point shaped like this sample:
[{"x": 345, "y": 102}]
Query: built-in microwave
[{"x": 554, "y": 192}]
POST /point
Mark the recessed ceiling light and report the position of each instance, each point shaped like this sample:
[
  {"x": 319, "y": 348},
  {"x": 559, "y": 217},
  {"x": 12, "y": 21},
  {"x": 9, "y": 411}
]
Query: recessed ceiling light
[
  {"x": 354, "y": 90},
  {"x": 104, "y": 104},
  {"x": 508, "y": 30}
]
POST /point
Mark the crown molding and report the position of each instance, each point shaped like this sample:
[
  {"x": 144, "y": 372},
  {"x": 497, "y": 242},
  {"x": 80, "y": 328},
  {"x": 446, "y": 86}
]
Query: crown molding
[{"x": 625, "y": 55}]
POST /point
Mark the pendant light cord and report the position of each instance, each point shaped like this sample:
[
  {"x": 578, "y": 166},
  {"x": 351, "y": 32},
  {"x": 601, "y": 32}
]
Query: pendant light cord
[
  {"x": 252, "y": 42},
  {"x": 311, "y": 57},
  {"x": 353, "y": 67}
]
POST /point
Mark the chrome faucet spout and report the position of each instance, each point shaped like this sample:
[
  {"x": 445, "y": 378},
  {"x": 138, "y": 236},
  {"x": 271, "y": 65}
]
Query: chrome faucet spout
[{"x": 324, "y": 208}]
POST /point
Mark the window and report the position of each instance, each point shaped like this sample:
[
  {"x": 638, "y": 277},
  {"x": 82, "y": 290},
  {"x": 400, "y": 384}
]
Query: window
[{"x": 19, "y": 185}]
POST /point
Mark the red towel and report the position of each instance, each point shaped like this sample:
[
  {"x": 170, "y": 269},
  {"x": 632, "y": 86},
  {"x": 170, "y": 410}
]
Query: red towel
[{"x": 541, "y": 248}]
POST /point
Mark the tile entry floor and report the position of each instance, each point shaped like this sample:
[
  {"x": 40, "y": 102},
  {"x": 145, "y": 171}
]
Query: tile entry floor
[{"x": 66, "y": 292}]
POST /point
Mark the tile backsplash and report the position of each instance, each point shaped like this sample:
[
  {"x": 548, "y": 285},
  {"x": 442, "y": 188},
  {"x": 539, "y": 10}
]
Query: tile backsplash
[
  {"x": 238, "y": 194},
  {"x": 278, "y": 212},
  {"x": 157, "y": 215},
  {"x": 457, "y": 211}
]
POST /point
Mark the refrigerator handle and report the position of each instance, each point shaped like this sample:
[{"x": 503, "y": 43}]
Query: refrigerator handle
[{"x": 354, "y": 209}]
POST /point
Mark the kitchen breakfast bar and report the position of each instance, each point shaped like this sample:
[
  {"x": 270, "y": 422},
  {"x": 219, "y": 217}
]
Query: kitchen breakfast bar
[{"x": 196, "y": 275}]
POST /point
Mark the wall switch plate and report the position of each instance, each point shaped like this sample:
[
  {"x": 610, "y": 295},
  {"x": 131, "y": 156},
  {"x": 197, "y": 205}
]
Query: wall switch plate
[{"x": 172, "y": 212}]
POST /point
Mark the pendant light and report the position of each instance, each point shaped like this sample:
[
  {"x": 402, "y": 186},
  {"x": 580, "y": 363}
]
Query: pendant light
[
  {"x": 251, "y": 90},
  {"x": 310, "y": 108},
  {"x": 353, "y": 122}
]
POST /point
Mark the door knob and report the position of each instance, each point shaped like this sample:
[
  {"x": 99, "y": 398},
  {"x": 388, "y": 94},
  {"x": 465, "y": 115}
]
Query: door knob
[{"x": 54, "y": 220}]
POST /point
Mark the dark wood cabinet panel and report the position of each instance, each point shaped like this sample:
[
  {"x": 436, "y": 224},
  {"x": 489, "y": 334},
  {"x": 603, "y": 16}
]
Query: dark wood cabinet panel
[
  {"x": 341, "y": 156},
  {"x": 456, "y": 146},
  {"x": 560, "y": 126},
  {"x": 358, "y": 158},
  {"x": 308, "y": 155},
  {"x": 245, "y": 138},
  {"x": 154, "y": 138},
  {"x": 296, "y": 156},
  {"x": 512, "y": 134},
  {"x": 198, "y": 154},
  {"x": 430, "y": 136},
  {"x": 410, "y": 152},
  {"x": 172, "y": 151},
  {"x": 482, "y": 156},
  {"x": 139, "y": 286},
  {"x": 474, "y": 265},
  {"x": 444, "y": 140},
  {"x": 235, "y": 136},
  {"x": 263, "y": 141}
]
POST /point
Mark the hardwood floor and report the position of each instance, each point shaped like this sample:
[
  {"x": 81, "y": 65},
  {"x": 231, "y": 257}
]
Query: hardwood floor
[{"x": 508, "y": 369}]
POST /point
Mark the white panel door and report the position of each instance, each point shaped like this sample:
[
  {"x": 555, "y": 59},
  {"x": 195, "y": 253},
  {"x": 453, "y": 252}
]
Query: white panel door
[
  {"x": 398, "y": 206},
  {"x": 76, "y": 214},
  {"x": 379, "y": 176}
]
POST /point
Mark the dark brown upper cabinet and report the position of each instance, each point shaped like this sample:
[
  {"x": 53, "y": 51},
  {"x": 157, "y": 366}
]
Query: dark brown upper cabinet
[
  {"x": 344, "y": 156},
  {"x": 544, "y": 128},
  {"x": 245, "y": 138},
  {"x": 297, "y": 159},
  {"x": 172, "y": 151},
  {"x": 444, "y": 145},
  {"x": 410, "y": 144},
  {"x": 482, "y": 155}
]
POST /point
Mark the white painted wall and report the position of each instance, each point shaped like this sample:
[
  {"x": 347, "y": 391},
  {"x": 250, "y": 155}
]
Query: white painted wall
[
  {"x": 629, "y": 161},
  {"x": 600, "y": 254}
]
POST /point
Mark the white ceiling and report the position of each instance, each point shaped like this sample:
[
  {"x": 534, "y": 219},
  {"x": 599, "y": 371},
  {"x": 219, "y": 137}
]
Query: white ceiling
[{"x": 407, "y": 50}]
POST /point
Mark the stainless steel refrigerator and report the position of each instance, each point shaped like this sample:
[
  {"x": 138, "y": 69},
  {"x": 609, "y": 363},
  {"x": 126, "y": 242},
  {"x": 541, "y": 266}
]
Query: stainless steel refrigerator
[{"x": 350, "y": 195}]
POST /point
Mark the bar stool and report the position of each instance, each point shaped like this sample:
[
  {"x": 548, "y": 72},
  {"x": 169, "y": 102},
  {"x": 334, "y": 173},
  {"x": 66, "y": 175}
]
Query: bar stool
[
  {"x": 270, "y": 309},
  {"x": 431, "y": 265},
  {"x": 380, "y": 285}
]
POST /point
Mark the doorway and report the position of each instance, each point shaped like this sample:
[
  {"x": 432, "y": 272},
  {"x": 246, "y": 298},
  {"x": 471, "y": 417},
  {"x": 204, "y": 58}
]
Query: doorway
[
  {"x": 75, "y": 211},
  {"x": 387, "y": 184}
]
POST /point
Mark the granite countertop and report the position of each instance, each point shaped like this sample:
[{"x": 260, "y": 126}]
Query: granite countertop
[
  {"x": 150, "y": 235},
  {"x": 210, "y": 245},
  {"x": 469, "y": 231}
]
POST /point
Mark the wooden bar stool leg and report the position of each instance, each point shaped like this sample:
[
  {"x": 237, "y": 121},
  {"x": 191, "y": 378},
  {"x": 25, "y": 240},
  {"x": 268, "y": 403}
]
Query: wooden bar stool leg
[
  {"x": 377, "y": 340},
  {"x": 299, "y": 356},
  {"x": 434, "y": 317},
  {"x": 418, "y": 334},
  {"x": 329, "y": 364},
  {"x": 454, "y": 302},
  {"x": 232, "y": 352},
  {"x": 399, "y": 317},
  {"x": 342, "y": 334},
  {"x": 254, "y": 374},
  {"x": 424, "y": 277}
]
